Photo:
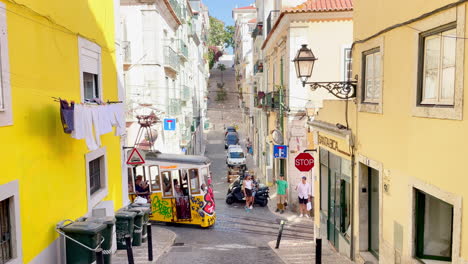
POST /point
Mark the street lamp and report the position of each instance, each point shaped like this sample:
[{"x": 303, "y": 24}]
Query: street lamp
[{"x": 304, "y": 63}]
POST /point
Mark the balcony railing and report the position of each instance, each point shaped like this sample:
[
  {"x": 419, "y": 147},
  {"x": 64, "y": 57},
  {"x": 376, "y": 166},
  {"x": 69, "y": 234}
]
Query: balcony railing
[
  {"x": 127, "y": 52},
  {"x": 176, "y": 7},
  {"x": 274, "y": 14},
  {"x": 258, "y": 67},
  {"x": 174, "y": 107},
  {"x": 185, "y": 93},
  {"x": 170, "y": 58},
  {"x": 271, "y": 100},
  {"x": 258, "y": 31},
  {"x": 183, "y": 48}
]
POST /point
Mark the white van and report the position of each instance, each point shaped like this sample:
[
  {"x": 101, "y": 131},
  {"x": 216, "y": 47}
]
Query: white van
[{"x": 235, "y": 156}]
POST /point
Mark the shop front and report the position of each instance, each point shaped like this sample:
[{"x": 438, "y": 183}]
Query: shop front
[{"x": 335, "y": 189}]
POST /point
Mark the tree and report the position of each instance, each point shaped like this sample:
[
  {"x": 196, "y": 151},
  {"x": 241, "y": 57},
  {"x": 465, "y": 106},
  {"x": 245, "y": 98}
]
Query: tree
[
  {"x": 229, "y": 38},
  {"x": 222, "y": 68},
  {"x": 219, "y": 35}
]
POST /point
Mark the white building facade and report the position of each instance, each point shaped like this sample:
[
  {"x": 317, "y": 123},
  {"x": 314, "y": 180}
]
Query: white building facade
[{"x": 165, "y": 71}]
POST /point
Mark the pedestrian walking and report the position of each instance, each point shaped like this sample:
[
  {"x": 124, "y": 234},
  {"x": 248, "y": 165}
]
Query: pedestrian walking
[
  {"x": 248, "y": 185},
  {"x": 249, "y": 146},
  {"x": 303, "y": 191},
  {"x": 282, "y": 191}
]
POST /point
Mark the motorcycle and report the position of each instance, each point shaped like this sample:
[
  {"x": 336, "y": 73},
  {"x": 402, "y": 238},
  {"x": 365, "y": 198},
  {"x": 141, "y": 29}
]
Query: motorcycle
[{"x": 235, "y": 193}]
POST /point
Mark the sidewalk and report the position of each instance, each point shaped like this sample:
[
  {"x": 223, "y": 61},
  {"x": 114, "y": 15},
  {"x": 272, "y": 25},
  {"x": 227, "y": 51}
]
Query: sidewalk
[
  {"x": 302, "y": 251},
  {"x": 162, "y": 242}
]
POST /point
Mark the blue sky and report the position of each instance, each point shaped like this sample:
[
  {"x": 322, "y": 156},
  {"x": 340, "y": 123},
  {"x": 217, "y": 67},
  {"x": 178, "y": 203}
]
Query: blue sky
[{"x": 222, "y": 10}]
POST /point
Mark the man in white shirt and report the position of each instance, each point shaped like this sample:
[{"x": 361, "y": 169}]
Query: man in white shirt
[{"x": 303, "y": 191}]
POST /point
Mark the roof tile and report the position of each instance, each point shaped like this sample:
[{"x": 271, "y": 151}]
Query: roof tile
[{"x": 322, "y": 6}]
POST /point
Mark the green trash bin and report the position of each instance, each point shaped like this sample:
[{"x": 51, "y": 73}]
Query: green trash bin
[
  {"x": 138, "y": 230},
  {"x": 123, "y": 226},
  {"x": 107, "y": 233},
  {"x": 86, "y": 233},
  {"x": 146, "y": 210}
]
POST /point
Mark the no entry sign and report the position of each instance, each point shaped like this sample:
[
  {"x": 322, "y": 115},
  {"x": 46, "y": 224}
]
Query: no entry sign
[{"x": 304, "y": 162}]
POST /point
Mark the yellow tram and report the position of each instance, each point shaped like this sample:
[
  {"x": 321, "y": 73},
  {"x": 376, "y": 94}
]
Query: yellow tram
[{"x": 178, "y": 187}]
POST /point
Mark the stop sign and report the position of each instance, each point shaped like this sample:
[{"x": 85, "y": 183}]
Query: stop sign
[{"x": 304, "y": 162}]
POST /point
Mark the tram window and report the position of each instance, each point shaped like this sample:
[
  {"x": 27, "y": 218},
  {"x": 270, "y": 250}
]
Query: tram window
[
  {"x": 166, "y": 182},
  {"x": 154, "y": 178},
  {"x": 184, "y": 182},
  {"x": 131, "y": 190},
  {"x": 140, "y": 171},
  {"x": 194, "y": 181}
]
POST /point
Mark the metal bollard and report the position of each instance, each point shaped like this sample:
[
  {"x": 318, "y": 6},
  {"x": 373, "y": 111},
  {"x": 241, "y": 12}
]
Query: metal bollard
[
  {"x": 150, "y": 242},
  {"x": 280, "y": 233},
  {"x": 99, "y": 256},
  {"x": 128, "y": 243},
  {"x": 318, "y": 251}
]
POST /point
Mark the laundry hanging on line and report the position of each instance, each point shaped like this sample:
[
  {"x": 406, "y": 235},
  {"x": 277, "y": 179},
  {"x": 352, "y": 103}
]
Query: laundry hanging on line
[{"x": 89, "y": 122}]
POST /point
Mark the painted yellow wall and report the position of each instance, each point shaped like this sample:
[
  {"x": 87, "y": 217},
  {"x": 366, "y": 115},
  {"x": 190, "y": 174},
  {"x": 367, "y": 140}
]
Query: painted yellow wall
[
  {"x": 48, "y": 163},
  {"x": 428, "y": 149}
]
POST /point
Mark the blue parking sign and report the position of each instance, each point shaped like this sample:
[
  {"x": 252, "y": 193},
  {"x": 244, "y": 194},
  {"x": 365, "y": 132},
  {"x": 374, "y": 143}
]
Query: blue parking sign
[
  {"x": 280, "y": 151},
  {"x": 169, "y": 124}
]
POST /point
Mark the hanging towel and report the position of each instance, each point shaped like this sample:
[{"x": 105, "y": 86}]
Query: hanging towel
[
  {"x": 105, "y": 115},
  {"x": 83, "y": 124},
  {"x": 118, "y": 118},
  {"x": 95, "y": 121}
]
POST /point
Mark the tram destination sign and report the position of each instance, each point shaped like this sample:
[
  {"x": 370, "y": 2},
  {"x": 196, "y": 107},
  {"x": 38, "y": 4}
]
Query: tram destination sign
[{"x": 304, "y": 162}]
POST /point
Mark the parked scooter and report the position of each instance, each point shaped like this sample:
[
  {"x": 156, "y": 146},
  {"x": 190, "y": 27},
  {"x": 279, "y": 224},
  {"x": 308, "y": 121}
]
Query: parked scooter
[{"x": 235, "y": 194}]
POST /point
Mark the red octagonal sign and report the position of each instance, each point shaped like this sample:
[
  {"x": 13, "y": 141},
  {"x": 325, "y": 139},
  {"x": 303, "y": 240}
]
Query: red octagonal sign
[{"x": 304, "y": 162}]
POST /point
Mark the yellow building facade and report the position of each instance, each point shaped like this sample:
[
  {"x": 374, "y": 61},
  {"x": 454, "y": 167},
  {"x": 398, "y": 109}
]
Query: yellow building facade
[
  {"x": 406, "y": 135},
  {"x": 46, "y": 47}
]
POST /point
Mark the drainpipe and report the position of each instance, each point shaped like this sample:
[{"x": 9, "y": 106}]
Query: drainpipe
[
  {"x": 282, "y": 165},
  {"x": 352, "y": 196}
]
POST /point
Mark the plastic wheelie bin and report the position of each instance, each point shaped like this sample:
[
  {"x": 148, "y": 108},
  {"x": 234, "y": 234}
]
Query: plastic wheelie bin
[
  {"x": 83, "y": 234},
  {"x": 107, "y": 233},
  {"x": 138, "y": 230},
  {"x": 146, "y": 210},
  {"x": 124, "y": 226}
]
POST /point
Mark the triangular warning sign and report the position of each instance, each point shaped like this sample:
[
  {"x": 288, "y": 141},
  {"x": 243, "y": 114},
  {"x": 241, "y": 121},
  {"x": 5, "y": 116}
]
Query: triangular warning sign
[{"x": 135, "y": 158}]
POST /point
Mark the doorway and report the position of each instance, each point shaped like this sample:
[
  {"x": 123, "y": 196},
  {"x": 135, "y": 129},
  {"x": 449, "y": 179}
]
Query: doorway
[{"x": 373, "y": 211}]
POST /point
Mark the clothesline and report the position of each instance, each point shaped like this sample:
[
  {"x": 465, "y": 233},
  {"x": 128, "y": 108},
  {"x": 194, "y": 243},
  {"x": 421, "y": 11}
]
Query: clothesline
[{"x": 91, "y": 120}]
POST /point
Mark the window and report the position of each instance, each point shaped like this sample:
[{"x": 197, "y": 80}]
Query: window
[
  {"x": 167, "y": 186},
  {"x": 347, "y": 70},
  {"x": 5, "y": 232},
  {"x": 371, "y": 71},
  {"x": 95, "y": 175},
  {"x": 90, "y": 69},
  {"x": 90, "y": 83},
  {"x": 10, "y": 224},
  {"x": 149, "y": 21},
  {"x": 154, "y": 178},
  {"x": 436, "y": 78},
  {"x": 131, "y": 189},
  {"x": 194, "y": 181},
  {"x": 6, "y": 115},
  {"x": 434, "y": 225}
]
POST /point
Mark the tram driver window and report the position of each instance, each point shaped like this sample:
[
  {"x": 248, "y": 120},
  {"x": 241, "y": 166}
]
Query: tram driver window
[
  {"x": 166, "y": 182},
  {"x": 154, "y": 178},
  {"x": 194, "y": 181}
]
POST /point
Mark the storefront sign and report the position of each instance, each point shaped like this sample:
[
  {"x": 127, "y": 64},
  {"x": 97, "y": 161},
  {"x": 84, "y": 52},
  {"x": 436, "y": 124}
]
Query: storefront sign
[{"x": 332, "y": 144}]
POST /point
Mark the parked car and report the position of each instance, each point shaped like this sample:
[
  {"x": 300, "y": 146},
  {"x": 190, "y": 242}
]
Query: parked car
[
  {"x": 235, "y": 156},
  {"x": 230, "y": 129},
  {"x": 231, "y": 139}
]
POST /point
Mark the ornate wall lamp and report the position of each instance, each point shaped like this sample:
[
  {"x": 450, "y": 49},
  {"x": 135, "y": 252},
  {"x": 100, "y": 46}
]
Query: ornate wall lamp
[{"x": 304, "y": 62}]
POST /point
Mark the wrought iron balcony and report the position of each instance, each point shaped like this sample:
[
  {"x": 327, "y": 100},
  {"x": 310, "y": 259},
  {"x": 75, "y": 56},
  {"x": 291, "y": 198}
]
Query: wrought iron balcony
[
  {"x": 176, "y": 7},
  {"x": 171, "y": 60},
  {"x": 258, "y": 67},
  {"x": 183, "y": 49},
  {"x": 174, "y": 108},
  {"x": 185, "y": 94},
  {"x": 274, "y": 14},
  {"x": 258, "y": 31}
]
